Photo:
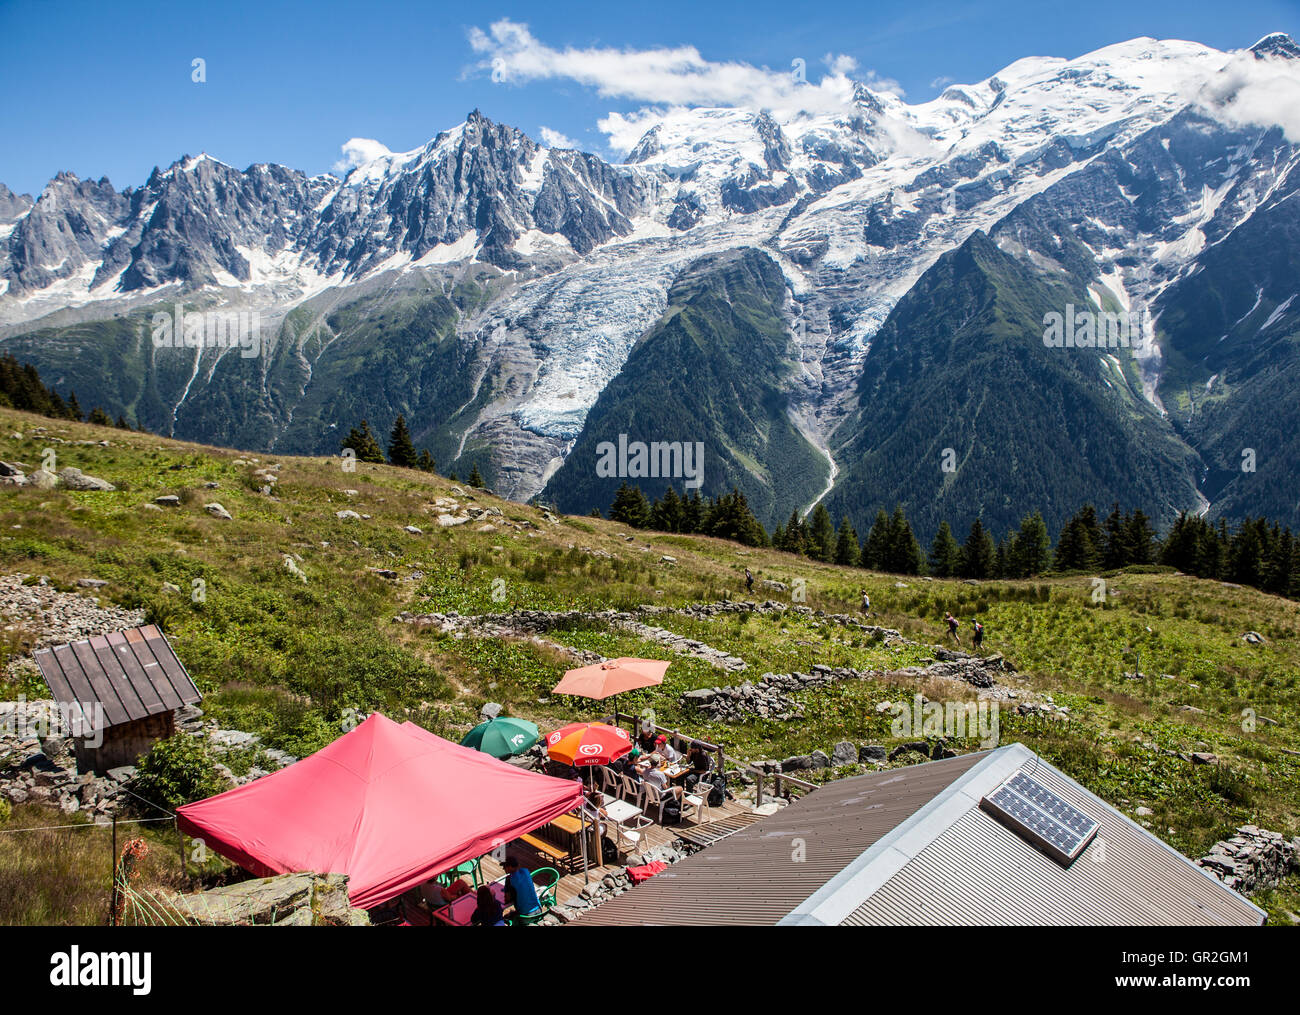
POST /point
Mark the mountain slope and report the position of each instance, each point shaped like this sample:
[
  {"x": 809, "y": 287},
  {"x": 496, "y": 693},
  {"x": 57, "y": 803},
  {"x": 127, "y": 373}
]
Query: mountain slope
[
  {"x": 1127, "y": 172},
  {"x": 712, "y": 371},
  {"x": 961, "y": 364}
]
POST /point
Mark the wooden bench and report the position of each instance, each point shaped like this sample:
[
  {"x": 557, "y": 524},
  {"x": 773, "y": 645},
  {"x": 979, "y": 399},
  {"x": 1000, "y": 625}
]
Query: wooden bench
[{"x": 560, "y": 857}]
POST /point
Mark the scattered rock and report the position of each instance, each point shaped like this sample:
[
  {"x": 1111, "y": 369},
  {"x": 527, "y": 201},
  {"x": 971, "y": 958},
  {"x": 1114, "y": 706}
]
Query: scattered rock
[
  {"x": 217, "y": 511},
  {"x": 75, "y": 479}
]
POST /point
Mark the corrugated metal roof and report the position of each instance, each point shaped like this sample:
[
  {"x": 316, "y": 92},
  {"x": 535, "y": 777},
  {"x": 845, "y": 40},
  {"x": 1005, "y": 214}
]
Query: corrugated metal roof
[
  {"x": 760, "y": 873},
  {"x": 911, "y": 847},
  {"x": 132, "y": 674},
  {"x": 976, "y": 872}
]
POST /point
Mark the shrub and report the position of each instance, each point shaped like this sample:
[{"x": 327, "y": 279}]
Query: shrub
[{"x": 176, "y": 771}]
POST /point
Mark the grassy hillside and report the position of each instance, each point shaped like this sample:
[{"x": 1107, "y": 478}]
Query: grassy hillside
[{"x": 287, "y": 659}]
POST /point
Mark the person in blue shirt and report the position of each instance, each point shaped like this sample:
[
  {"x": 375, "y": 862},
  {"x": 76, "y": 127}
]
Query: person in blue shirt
[{"x": 520, "y": 889}]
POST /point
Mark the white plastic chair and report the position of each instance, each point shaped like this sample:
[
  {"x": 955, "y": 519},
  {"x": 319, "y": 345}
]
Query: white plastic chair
[
  {"x": 655, "y": 798},
  {"x": 697, "y": 803}
]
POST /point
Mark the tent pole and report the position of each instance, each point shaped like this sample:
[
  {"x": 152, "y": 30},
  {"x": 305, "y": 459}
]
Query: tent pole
[{"x": 582, "y": 818}]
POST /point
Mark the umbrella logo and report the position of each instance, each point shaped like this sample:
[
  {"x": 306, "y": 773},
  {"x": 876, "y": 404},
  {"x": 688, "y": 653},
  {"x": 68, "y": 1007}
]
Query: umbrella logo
[
  {"x": 622, "y": 734},
  {"x": 553, "y": 739},
  {"x": 589, "y": 749},
  {"x": 517, "y": 739}
]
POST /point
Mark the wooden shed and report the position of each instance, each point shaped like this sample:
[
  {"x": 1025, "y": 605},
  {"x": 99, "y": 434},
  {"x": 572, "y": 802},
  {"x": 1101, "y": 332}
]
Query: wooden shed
[{"x": 121, "y": 689}]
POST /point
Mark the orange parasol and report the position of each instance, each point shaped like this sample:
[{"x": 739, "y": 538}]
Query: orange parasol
[{"x": 588, "y": 743}]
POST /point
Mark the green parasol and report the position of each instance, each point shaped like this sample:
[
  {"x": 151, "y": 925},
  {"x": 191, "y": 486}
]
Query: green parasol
[{"x": 502, "y": 737}]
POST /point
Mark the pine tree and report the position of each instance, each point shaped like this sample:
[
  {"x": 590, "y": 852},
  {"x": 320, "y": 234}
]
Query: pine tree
[
  {"x": 99, "y": 417},
  {"x": 729, "y": 517},
  {"x": 426, "y": 463},
  {"x": 1115, "y": 552},
  {"x": 1080, "y": 545},
  {"x": 475, "y": 477},
  {"x": 74, "y": 407},
  {"x": 401, "y": 449},
  {"x": 945, "y": 553},
  {"x": 630, "y": 507},
  {"x": 821, "y": 545},
  {"x": 902, "y": 551},
  {"x": 692, "y": 512},
  {"x": 666, "y": 513},
  {"x": 792, "y": 536},
  {"x": 847, "y": 551},
  {"x": 121, "y": 423},
  {"x": 979, "y": 555},
  {"x": 1139, "y": 538},
  {"x": 363, "y": 442},
  {"x": 1032, "y": 547},
  {"x": 875, "y": 548}
]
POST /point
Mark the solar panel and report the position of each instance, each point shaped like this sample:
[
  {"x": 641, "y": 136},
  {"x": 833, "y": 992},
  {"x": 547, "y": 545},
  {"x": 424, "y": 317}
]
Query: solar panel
[{"x": 1028, "y": 807}]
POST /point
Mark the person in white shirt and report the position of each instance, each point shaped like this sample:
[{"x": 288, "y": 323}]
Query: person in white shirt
[{"x": 665, "y": 749}]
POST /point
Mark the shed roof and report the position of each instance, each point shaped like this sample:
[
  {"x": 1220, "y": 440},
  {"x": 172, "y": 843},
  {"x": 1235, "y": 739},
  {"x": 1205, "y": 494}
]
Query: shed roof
[
  {"x": 912, "y": 846},
  {"x": 132, "y": 674}
]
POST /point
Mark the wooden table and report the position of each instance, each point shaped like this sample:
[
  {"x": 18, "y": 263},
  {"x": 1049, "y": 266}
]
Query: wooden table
[{"x": 568, "y": 824}]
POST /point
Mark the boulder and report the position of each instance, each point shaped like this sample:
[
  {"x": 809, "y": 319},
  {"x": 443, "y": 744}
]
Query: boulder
[
  {"x": 844, "y": 753},
  {"x": 75, "y": 479},
  {"x": 301, "y": 899},
  {"x": 168, "y": 500},
  {"x": 217, "y": 511}
]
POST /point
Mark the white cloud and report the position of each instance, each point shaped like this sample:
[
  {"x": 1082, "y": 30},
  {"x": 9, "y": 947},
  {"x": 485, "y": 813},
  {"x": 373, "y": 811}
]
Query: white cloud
[
  {"x": 358, "y": 151},
  {"x": 1255, "y": 91},
  {"x": 941, "y": 82},
  {"x": 666, "y": 78},
  {"x": 624, "y": 130},
  {"x": 554, "y": 139}
]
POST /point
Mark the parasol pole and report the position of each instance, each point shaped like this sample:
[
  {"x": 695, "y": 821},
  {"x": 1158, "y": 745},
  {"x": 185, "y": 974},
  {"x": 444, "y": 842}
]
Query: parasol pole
[{"x": 582, "y": 818}]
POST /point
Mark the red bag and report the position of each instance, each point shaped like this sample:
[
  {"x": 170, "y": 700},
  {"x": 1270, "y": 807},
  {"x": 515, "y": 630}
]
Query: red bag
[{"x": 645, "y": 871}]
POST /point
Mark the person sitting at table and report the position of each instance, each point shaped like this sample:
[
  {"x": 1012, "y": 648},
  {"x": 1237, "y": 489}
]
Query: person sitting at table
[
  {"x": 645, "y": 739},
  {"x": 699, "y": 758},
  {"x": 455, "y": 890},
  {"x": 633, "y": 769},
  {"x": 433, "y": 894},
  {"x": 520, "y": 890},
  {"x": 700, "y": 764},
  {"x": 657, "y": 777},
  {"x": 488, "y": 912},
  {"x": 666, "y": 750}
]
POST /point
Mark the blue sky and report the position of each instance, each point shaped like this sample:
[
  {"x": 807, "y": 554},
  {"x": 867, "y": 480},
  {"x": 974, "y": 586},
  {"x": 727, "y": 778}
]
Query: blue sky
[{"x": 105, "y": 89}]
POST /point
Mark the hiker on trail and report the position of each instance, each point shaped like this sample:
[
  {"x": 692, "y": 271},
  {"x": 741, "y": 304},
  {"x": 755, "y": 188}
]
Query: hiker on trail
[
  {"x": 866, "y": 604},
  {"x": 749, "y": 581},
  {"x": 978, "y": 637},
  {"x": 952, "y": 627}
]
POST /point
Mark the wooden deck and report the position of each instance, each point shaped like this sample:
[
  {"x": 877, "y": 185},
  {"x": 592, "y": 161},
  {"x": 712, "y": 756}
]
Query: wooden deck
[{"x": 731, "y": 816}]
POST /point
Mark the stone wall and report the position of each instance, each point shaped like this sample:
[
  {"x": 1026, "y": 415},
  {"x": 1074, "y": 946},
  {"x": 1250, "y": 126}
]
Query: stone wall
[{"x": 1253, "y": 860}]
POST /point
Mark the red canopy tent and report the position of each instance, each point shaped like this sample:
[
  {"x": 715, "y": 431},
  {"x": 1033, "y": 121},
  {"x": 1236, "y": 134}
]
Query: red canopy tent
[{"x": 389, "y": 805}]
